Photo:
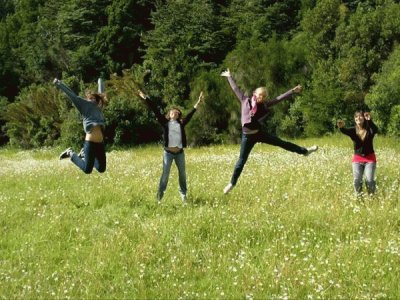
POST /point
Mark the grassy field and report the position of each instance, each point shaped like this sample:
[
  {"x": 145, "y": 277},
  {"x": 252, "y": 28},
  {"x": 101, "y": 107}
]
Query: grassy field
[{"x": 291, "y": 228}]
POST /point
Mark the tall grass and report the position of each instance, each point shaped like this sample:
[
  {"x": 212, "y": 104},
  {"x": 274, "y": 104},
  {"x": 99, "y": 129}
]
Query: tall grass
[{"x": 291, "y": 228}]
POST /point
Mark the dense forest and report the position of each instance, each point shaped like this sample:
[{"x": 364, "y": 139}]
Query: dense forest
[{"x": 346, "y": 54}]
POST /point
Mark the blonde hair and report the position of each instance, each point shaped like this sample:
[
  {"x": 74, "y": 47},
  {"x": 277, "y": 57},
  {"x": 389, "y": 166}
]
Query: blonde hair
[{"x": 262, "y": 90}]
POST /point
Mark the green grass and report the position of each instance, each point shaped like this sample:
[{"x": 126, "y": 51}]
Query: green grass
[{"x": 291, "y": 228}]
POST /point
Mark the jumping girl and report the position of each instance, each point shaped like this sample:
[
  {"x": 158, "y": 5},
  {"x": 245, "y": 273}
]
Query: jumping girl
[
  {"x": 93, "y": 124},
  {"x": 253, "y": 111}
]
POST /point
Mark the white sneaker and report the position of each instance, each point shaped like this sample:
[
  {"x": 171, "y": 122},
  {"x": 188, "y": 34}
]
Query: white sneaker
[
  {"x": 311, "y": 150},
  {"x": 66, "y": 153},
  {"x": 184, "y": 199},
  {"x": 228, "y": 188}
]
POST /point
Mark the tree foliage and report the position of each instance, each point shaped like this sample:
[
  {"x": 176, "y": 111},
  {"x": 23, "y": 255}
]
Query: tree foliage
[
  {"x": 344, "y": 53},
  {"x": 384, "y": 98}
]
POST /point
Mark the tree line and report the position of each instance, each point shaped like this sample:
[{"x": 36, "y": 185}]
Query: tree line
[{"x": 346, "y": 54}]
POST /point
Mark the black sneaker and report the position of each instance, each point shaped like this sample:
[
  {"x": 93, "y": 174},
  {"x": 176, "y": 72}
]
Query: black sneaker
[
  {"x": 66, "y": 153},
  {"x": 81, "y": 153}
]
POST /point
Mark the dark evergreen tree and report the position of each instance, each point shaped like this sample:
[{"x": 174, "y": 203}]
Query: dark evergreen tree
[{"x": 185, "y": 38}]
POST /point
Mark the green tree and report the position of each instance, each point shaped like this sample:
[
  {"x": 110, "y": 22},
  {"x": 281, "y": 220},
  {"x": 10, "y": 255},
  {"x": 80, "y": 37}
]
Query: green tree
[
  {"x": 384, "y": 97},
  {"x": 363, "y": 43},
  {"x": 3, "y": 109},
  {"x": 8, "y": 76},
  {"x": 319, "y": 25},
  {"x": 6, "y": 8},
  {"x": 128, "y": 120},
  {"x": 321, "y": 103},
  {"x": 218, "y": 118},
  {"x": 35, "y": 118},
  {"x": 261, "y": 19},
  {"x": 185, "y": 38},
  {"x": 118, "y": 42}
]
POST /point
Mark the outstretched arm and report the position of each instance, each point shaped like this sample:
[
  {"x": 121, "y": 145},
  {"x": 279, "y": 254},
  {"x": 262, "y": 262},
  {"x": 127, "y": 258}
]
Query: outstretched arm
[
  {"x": 191, "y": 113},
  {"x": 233, "y": 85},
  {"x": 296, "y": 90},
  {"x": 79, "y": 103},
  {"x": 340, "y": 124},
  {"x": 201, "y": 99},
  {"x": 153, "y": 107},
  {"x": 64, "y": 88}
]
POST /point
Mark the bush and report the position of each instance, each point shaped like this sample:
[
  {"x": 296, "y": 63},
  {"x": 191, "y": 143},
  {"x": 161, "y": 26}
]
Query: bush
[
  {"x": 34, "y": 119},
  {"x": 3, "y": 108},
  {"x": 71, "y": 130},
  {"x": 218, "y": 118},
  {"x": 128, "y": 120},
  {"x": 385, "y": 94},
  {"x": 394, "y": 122}
]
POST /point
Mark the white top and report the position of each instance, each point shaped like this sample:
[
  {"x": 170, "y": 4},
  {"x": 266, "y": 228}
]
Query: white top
[{"x": 174, "y": 134}]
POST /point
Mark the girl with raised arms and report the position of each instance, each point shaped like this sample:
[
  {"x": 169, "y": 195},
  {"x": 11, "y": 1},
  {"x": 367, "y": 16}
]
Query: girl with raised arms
[
  {"x": 364, "y": 159},
  {"x": 253, "y": 111},
  {"x": 173, "y": 124},
  {"x": 91, "y": 109}
]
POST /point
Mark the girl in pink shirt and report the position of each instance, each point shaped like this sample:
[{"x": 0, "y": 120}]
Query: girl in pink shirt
[{"x": 364, "y": 159}]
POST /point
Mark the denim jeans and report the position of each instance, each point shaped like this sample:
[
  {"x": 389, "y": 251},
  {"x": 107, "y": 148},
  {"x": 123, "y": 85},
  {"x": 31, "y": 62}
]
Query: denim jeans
[
  {"x": 179, "y": 159},
  {"x": 248, "y": 142},
  {"x": 95, "y": 156},
  {"x": 367, "y": 169}
]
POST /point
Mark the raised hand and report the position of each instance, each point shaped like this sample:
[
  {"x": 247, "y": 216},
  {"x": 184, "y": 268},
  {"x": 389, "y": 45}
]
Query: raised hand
[
  {"x": 367, "y": 116},
  {"x": 141, "y": 94},
  {"x": 201, "y": 99},
  {"x": 226, "y": 73},
  {"x": 297, "y": 89},
  {"x": 340, "y": 123},
  {"x": 201, "y": 96},
  {"x": 56, "y": 80}
]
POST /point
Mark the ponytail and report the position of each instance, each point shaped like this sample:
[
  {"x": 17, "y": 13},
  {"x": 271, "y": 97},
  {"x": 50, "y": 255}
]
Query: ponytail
[{"x": 101, "y": 99}]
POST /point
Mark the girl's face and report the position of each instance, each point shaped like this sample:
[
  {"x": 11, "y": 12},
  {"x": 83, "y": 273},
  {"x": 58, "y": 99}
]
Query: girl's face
[
  {"x": 174, "y": 114},
  {"x": 359, "y": 119},
  {"x": 260, "y": 95}
]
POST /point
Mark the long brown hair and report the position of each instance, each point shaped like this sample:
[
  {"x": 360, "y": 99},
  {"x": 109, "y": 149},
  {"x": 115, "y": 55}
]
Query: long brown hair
[
  {"x": 361, "y": 132},
  {"x": 100, "y": 98}
]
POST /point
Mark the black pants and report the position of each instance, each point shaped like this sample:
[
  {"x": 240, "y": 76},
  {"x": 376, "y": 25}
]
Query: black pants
[
  {"x": 95, "y": 156},
  {"x": 248, "y": 142}
]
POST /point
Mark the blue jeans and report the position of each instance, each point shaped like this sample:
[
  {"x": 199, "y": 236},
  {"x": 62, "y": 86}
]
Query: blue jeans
[
  {"x": 179, "y": 159},
  {"x": 248, "y": 142},
  {"x": 95, "y": 156},
  {"x": 367, "y": 169}
]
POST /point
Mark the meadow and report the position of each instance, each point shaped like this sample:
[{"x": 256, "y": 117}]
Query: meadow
[{"x": 291, "y": 228}]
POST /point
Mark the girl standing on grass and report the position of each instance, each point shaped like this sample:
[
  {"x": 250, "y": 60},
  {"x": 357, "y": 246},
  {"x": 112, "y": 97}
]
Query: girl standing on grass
[
  {"x": 364, "y": 159},
  {"x": 93, "y": 124},
  {"x": 253, "y": 111},
  {"x": 174, "y": 141}
]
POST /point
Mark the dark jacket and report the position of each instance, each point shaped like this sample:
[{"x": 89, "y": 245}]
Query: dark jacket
[
  {"x": 361, "y": 147},
  {"x": 164, "y": 121}
]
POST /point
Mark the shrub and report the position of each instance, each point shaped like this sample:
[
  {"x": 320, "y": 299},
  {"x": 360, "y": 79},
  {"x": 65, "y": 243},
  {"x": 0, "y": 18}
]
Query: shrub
[
  {"x": 394, "y": 121},
  {"x": 34, "y": 119}
]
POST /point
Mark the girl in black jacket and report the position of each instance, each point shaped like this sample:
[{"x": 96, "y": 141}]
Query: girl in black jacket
[
  {"x": 364, "y": 159},
  {"x": 174, "y": 141}
]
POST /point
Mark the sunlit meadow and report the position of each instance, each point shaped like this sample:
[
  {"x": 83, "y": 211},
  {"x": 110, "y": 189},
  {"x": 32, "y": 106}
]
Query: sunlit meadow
[{"x": 291, "y": 228}]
